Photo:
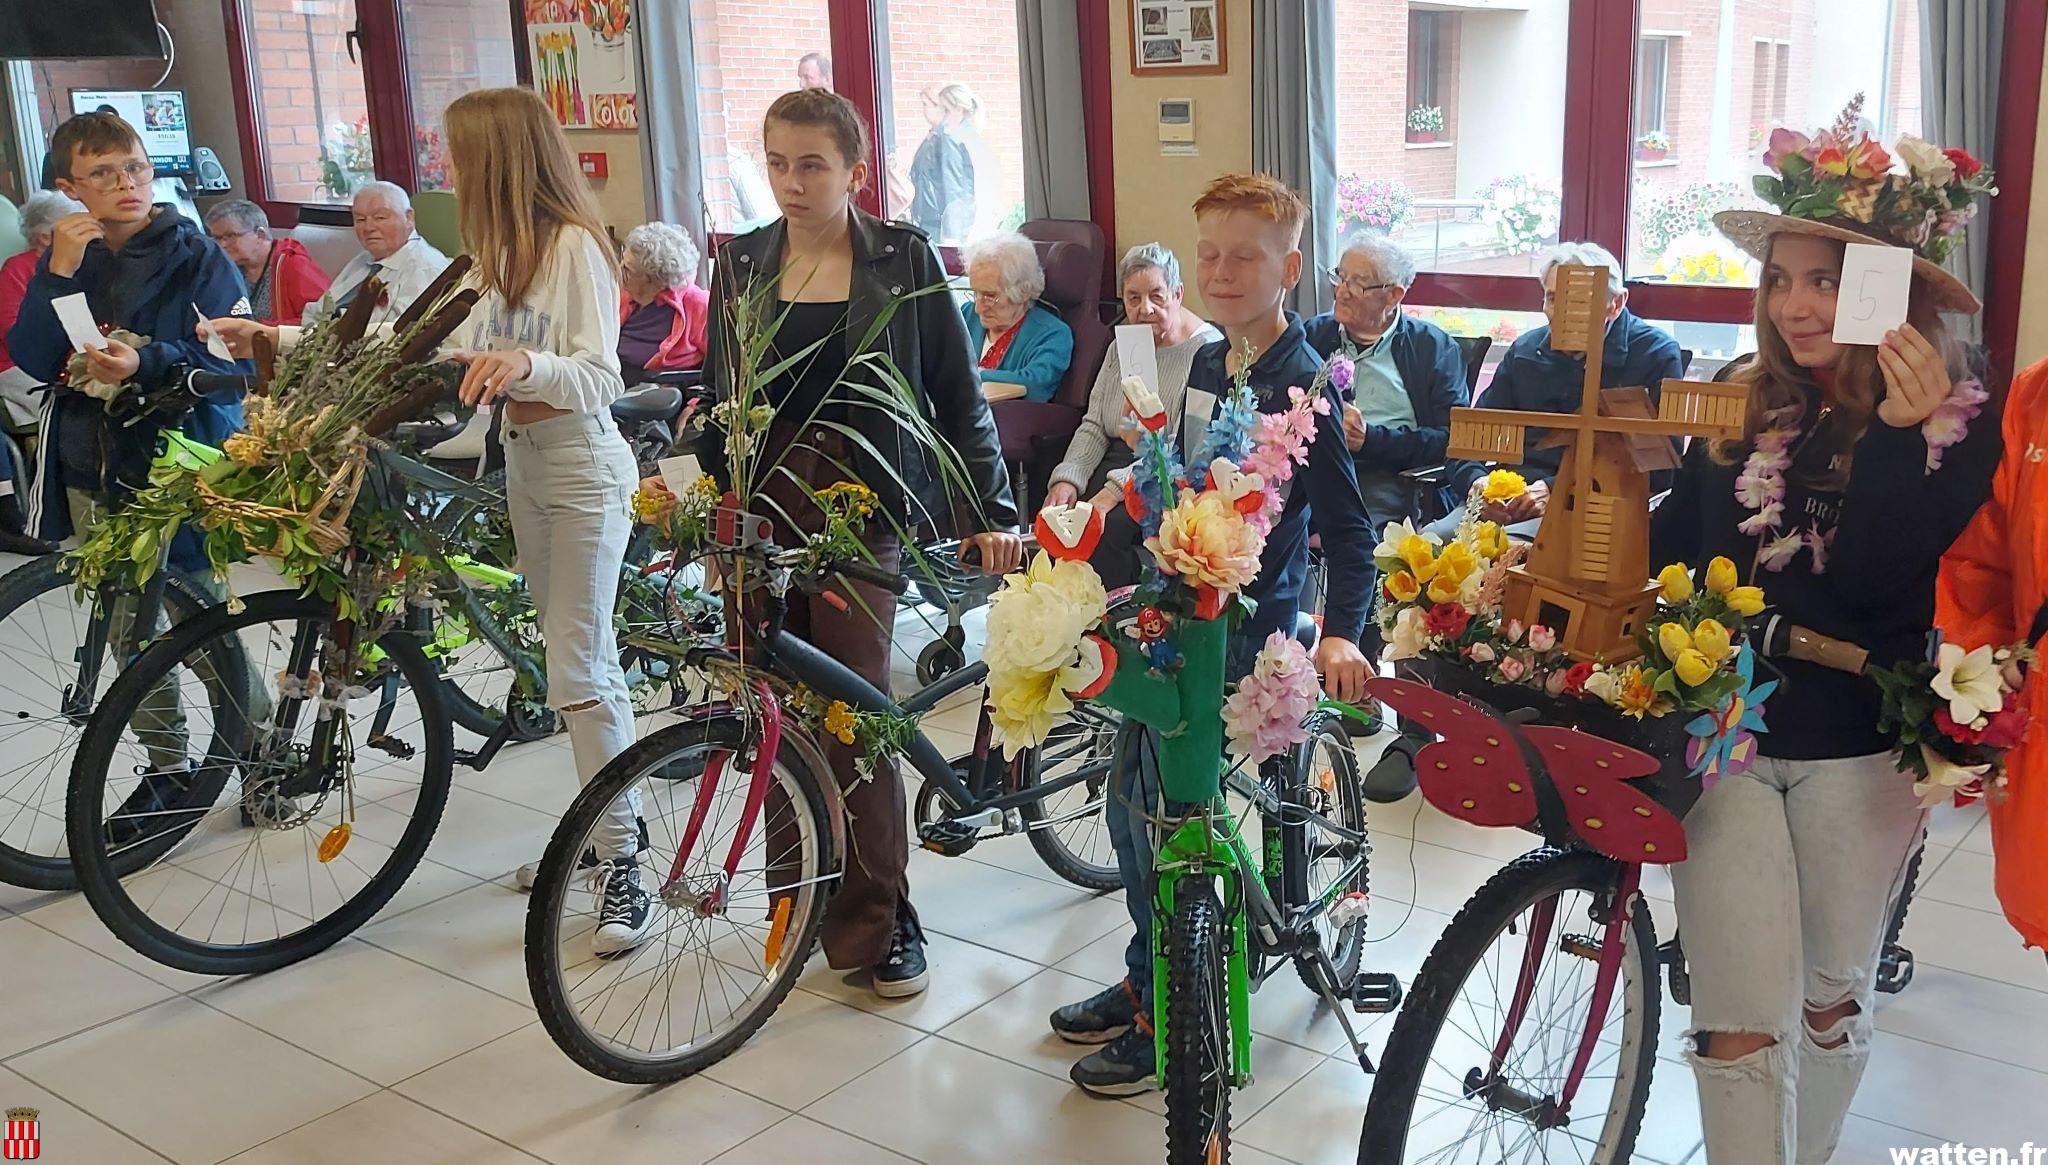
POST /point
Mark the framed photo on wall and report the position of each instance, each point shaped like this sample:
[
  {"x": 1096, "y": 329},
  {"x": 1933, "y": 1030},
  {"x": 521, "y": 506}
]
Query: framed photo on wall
[{"x": 1177, "y": 36}]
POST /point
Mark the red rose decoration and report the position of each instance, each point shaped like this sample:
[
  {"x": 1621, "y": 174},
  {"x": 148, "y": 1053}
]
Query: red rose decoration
[
  {"x": 2006, "y": 726},
  {"x": 1960, "y": 733},
  {"x": 1447, "y": 620},
  {"x": 1966, "y": 166},
  {"x": 1575, "y": 677}
]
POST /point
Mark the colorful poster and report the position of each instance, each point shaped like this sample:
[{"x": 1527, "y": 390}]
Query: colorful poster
[{"x": 582, "y": 54}]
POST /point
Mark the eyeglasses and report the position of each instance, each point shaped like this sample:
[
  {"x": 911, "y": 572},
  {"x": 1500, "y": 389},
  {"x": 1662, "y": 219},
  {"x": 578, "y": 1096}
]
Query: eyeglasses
[
  {"x": 227, "y": 237},
  {"x": 109, "y": 177},
  {"x": 1357, "y": 284}
]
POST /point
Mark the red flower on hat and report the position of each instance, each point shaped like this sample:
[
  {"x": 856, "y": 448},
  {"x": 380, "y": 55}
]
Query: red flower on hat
[{"x": 1966, "y": 165}]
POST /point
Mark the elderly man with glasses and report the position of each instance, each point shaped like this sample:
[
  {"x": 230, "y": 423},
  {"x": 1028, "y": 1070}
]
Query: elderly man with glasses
[{"x": 402, "y": 262}]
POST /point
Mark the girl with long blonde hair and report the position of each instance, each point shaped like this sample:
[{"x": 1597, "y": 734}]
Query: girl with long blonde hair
[{"x": 543, "y": 339}]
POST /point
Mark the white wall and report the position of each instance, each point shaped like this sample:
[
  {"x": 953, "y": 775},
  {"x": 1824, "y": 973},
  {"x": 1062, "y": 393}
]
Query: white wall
[
  {"x": 1855, "y": 59},
  {"x": 1511, "y": 94}
]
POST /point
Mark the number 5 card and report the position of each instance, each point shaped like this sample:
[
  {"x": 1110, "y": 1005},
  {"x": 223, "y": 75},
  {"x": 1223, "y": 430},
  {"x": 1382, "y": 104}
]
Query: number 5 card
[{"x": 1872, "y": 298}]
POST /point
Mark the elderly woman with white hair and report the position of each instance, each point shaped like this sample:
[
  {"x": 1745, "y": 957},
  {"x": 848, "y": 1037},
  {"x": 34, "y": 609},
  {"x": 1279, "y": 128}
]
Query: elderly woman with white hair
[
  {"x": 21, "y": 392},
  {"x": 1023, "y": 349},
  {"x": 663, "y": 311}
]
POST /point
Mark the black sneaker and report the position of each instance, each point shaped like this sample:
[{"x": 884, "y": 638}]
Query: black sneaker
[
  {"x": 528, "y": 874},
  {"x": 903, "y": 973},
  {"x": 1392, "y": 777},
  {"x": 628, "y": 913},
  {"x": 151, "y": 808},
  {"x": 15, "y": 542},
  {"x": 1124, "y": 1068},
  {"x": 1099, "y": 1018}
]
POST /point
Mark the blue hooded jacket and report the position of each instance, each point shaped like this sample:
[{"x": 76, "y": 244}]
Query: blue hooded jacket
[
  {"x": 154, "y": 286},
  {"x": 1535, "y": 377}
]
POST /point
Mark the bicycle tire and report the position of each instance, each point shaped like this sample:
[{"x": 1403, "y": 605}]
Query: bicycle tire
[
  {"x": 546, "y": 976},
  {"x": 102, "y": 879},
  {"x": 1198, "y": 1068},
  {"x": 20, "y": 588},
  {"x": 1049, "y": 840},
  {"x": 1348, "y": 809},
  {"x": 1522, "y": 883}
]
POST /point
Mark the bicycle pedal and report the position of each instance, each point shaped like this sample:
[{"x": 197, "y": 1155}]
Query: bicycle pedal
[
  {"x": 1375, "y": 993},
  {"x": 392, "y": 746},
  {"x": 948, "y": 838},
  {"x": 1583, "y": 946}
]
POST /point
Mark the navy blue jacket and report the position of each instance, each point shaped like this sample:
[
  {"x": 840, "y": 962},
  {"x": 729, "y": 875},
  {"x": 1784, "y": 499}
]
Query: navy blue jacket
[
  {"x": 1325, "y": 492},
  {"x": 1533, "y": 376},
  {"x": 1432, "y": 369},
  {"x": 149, "y": 287}
]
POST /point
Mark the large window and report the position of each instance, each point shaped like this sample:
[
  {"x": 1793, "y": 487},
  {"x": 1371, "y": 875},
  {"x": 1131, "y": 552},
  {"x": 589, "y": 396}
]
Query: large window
[
  {"x": 1463, "y": 170},
  {"x": 1653, "y": 81},
  {"x": 338, "y": 92},
  {"x": 312, "y": 113},
  {"x": 952, "y": 113},
  {"x": 749, "y": 52},
  {"x": 1729, "y": 88},
  {"x": 448, "y": 52}
]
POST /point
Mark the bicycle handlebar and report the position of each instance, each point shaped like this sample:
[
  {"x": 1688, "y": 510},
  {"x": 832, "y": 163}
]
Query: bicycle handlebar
[
  {"x": 869, "y": 573},
  {"x": 1779, "y": 637}
]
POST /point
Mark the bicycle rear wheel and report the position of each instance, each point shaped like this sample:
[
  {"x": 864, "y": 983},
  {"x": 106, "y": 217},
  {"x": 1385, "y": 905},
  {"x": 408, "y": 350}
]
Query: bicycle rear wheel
[
  {"x": 1532, "y": 934},
  {"x": 248, "y": 869},
  {"x": 723, "y": 955},
  {"x": 46, "y": 634},
  {"x": 1322, "y": 865},
  {"x": 1198, "y": 1069},
  {"x": 1069, "y": 828}
]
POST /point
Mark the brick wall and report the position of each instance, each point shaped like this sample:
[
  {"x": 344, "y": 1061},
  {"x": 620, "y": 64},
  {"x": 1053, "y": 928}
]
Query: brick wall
[{"x": 305, "y": 84}]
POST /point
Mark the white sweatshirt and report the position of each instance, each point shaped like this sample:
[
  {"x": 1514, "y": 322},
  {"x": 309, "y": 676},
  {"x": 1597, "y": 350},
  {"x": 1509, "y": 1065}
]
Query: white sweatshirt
[{"x": 569, "y": 328}]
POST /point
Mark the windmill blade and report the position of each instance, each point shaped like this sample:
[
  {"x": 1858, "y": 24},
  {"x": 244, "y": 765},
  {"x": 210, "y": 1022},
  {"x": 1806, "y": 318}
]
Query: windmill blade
[
  {"x": 1578, "y": 321},
  {"x": 1716, "y": 411}
]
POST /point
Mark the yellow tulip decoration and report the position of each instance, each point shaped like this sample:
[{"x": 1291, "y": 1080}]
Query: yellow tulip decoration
[
  {"x": 1696, "y": 655},
  {"x": 1721, "y": 577},
  {"x": 1747, "y": 602},
  {"x": 1420, "y": 555},
  {"x": 1491, "y": 540},
  {"x": 1503, "y": 485},
  {"x": 1403, "y": 586},
  {"x": 1676, "y": 581},
  {"x": 1452, "y": 568}
]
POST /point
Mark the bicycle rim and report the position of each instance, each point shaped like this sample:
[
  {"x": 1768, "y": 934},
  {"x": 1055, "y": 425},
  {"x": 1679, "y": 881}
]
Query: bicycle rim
[
  {"x": 710, "y": 973},
  {"x": 1435, "y": 1101},
  {"x": 1333, "y": 865},
  {"x": 44, "y": 630},
  {"x": 1068, "y": 828},
  {"x": 249, "y": 868}
]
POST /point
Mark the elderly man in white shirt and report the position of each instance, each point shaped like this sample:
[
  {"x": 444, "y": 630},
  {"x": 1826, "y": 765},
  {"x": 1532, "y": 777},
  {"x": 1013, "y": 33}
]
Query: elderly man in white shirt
[{"x": 403, "y": 261}]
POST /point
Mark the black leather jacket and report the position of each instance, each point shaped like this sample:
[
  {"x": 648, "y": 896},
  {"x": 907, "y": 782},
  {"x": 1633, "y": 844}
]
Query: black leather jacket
[{"x": 926, "y": 340}]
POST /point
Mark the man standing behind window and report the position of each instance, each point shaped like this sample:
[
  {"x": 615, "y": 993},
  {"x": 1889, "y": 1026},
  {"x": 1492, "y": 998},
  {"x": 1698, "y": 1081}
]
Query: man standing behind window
[{"x": 392, "y": 252}]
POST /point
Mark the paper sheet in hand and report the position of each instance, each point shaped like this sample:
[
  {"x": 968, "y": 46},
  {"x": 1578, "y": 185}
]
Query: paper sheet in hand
[
  {"x": 79, "y": 326},
  {"x": 1872, "y": 299},
  {"x": 216, "y": 346},
  {"x": 1135, "y": 355},
  {"x": 679, "y": 473}
]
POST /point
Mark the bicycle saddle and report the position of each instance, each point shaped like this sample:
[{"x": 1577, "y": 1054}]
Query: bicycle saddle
[{"x": 659, "y": 403}]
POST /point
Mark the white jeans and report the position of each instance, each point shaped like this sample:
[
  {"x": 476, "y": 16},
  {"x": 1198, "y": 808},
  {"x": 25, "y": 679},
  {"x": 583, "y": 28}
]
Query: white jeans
[
  {"x": 1782, "y": 903},
  {"x": 569, "y": 485}
]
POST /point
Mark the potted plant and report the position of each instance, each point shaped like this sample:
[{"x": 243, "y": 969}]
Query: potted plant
[
  {"x": 1379, "y": 205},
  {"x": 1523, "y": 211},
  {"x": 1425, "y": 122},
  {"x": 1653, "y": 146}
]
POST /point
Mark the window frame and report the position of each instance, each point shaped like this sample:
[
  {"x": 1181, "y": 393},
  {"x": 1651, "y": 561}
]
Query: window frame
[
  {"x": 1599, "y": 153},
  {"x": 1663, "y": 85},
  {"x": 380, "y": 28}
]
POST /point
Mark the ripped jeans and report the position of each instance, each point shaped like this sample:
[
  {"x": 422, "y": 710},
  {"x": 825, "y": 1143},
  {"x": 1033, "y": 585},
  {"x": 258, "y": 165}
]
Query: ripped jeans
[
  {"x": 569, "y": 485},
  {"x": 1791, "y": 873}
]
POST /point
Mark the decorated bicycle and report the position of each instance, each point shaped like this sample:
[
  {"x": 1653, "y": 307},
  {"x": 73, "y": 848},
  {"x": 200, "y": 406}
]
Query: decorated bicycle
[{"x": 1223, "y": 919}]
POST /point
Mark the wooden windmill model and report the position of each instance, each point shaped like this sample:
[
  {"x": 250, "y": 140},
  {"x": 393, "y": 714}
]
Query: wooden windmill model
[{"x": 1587, "y": 577}]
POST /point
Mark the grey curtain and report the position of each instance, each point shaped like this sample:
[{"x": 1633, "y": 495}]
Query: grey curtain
[
  {"x": 1055, "y": 145},
  {"x": 1959, "y": 78},
  {"x": 1294, "y": 122},
  {"x": 669, "y": 117}
]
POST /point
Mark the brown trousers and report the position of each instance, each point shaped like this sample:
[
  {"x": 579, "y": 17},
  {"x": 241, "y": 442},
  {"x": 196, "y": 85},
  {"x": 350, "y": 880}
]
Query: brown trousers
[{"x": 860, "y": 917}]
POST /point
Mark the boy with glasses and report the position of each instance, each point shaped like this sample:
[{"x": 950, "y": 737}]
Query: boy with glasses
[{"x": 154, "y": 273}]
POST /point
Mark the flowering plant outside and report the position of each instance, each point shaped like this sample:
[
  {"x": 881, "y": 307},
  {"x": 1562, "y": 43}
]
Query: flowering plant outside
[
  {"x": 1655, "y": 139},
  {"x": 1663, "y": 219},
  {"x": 1956, "y": 714},
  {"x": 1426, "y": 119},
  {"x": 1522, "y": 210},
  {"x": 347, "y": 159},
  {"x": 1375, "y": 204}
]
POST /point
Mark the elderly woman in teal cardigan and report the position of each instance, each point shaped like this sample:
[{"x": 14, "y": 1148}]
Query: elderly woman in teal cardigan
[{"x": 1022, "y": 348}]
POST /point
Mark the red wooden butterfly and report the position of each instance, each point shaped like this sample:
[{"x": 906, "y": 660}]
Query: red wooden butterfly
[{"x": 1478, "y": 772}]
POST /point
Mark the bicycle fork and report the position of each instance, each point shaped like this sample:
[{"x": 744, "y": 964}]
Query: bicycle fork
[
  {"x": 1191, "y": 852},
  {"x": 1549, "y": 1112}
]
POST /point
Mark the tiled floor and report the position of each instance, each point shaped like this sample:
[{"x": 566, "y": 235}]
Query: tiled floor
[{"x": 416, "y": 1042}]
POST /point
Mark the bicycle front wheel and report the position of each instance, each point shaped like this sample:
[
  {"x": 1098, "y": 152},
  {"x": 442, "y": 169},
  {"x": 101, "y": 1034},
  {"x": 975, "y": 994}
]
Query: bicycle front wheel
[
  {"x": 1476, "y": 1068},
  {"x": 1198, "y": 1070},
  {"x": 232, "y": 858},
  {"x": 720, "y": 955},
  {"x": 59, "y": 660}
]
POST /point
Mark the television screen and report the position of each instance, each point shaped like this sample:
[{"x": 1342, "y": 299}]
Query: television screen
[
  {"x": 35, "y": 29},
  {"x": 157, "y": 114}
]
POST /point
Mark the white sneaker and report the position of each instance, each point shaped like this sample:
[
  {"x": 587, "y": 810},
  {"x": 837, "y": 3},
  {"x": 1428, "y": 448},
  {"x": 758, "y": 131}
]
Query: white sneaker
[
  {"x": 529, "y": 874},
  {"x": 627, "y": 914}
]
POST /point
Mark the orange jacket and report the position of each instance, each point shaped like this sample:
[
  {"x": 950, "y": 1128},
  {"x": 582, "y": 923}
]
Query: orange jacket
[{"x": 1993, "y": 581}]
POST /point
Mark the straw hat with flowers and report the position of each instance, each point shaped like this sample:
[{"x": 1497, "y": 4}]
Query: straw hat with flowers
[{"x": 1841, "y": 185}]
